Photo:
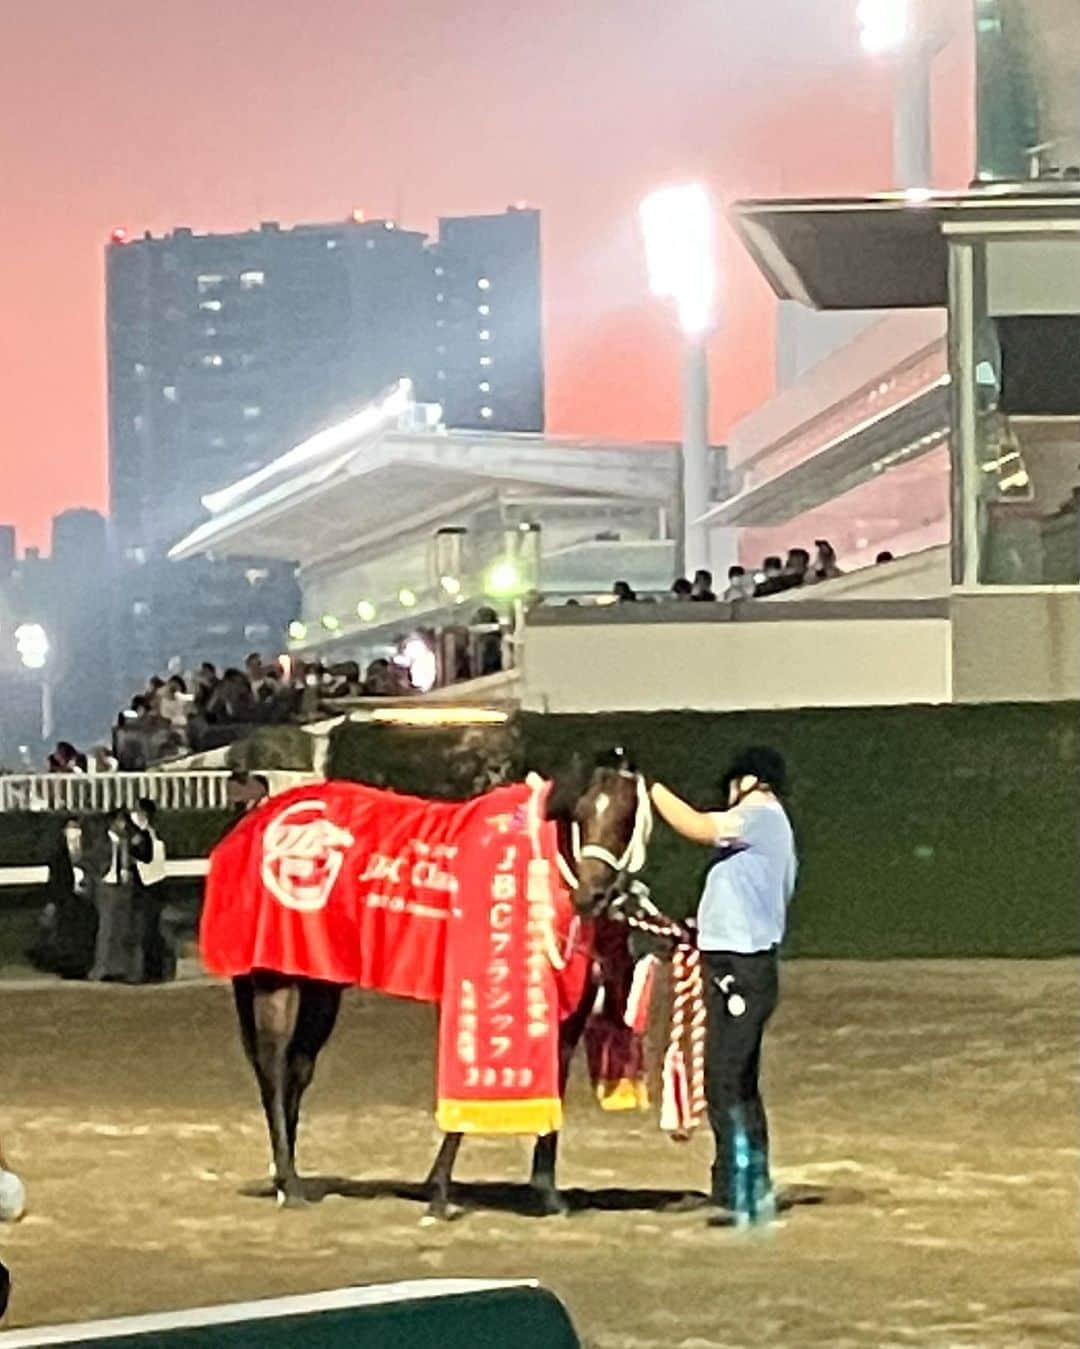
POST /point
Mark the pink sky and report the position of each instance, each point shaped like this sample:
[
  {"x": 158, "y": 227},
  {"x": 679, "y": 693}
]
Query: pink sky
[{"x": 220, "y": 113}]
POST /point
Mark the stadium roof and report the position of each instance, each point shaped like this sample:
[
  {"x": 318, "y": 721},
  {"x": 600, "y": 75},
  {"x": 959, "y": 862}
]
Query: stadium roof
[
  {"x": 888, "y": 251},
  {"x": 371, "y": 478}
]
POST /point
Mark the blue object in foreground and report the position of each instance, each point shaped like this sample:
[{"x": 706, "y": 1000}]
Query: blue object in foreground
[{"x": 416, "y": 1315}]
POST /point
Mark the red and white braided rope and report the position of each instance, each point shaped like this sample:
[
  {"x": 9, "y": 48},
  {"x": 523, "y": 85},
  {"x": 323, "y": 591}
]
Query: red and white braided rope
[{"x": 683, "y": 1096}]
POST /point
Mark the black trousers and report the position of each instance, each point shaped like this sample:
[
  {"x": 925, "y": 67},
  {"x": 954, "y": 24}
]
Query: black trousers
[{"x": 741, "y": 993}]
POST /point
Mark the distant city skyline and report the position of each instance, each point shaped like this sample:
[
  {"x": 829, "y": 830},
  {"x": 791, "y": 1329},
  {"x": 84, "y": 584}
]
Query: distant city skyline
[{"x": 222, "y": 116}]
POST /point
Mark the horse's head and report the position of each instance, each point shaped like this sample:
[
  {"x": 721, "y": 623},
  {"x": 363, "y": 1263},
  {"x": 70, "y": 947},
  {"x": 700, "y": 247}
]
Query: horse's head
[{"x": 607, "y": 821}]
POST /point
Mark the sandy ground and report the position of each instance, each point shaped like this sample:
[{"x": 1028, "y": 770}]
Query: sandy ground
[{"x": 932, "y": 1105}]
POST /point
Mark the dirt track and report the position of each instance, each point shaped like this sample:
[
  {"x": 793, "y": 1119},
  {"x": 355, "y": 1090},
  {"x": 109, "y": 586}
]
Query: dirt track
[{"x": 934, "y": 1105}]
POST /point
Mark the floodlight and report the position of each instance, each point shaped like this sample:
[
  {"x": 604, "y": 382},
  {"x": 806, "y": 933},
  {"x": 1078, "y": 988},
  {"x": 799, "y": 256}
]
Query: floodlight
[{"x": 677, "y": 224}]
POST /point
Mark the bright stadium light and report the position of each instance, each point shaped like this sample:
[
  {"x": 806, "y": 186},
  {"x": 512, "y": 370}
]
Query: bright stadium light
[
  {"x": 678, "y": 227},
  {"x": 504, "y": 580},
  {"x": 407, "y": 598},
  {"x": 884, "y": 26},
  {"x": 297, "y": 630},
  {"x": 677, "y": 223},
  {"x": 32, "y": 644},
  {"x": 365, "y": 611}
]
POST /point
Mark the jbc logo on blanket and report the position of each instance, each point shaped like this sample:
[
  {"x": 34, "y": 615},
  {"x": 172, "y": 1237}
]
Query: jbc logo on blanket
[{"x": 303, "y": 853}]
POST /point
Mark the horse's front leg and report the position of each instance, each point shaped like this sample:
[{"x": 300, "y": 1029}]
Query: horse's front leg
[
  {"x": 438, "y": 1182},
  {"x": 546, "y": 1151}
]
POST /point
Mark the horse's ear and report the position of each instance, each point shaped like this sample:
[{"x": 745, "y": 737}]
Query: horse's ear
[
  {"x": 567, "y": 788},
  {"x": 617, "y": 758}
]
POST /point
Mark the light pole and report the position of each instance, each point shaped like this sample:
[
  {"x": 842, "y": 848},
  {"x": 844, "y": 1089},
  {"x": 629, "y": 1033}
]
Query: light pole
[
  {"x": 888, "y": 29},
  {"x": 677, "y": 223}
]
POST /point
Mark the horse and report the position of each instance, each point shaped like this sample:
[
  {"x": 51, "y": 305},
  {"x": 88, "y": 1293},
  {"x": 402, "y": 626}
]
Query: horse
[{"x": 603, "y": 820}]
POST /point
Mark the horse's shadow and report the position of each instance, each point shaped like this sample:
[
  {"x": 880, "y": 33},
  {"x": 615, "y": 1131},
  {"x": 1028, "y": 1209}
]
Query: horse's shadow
[{"x": 523, "y": 1200}]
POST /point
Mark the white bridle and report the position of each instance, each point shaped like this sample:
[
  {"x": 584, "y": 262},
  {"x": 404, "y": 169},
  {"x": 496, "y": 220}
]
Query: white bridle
[{"x": 632, "y": 859}]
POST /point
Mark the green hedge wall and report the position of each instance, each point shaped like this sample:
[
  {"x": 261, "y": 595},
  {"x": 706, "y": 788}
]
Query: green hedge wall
[
  {"x": 923, "y": 831},
  {"x": 28, "y": 838}
]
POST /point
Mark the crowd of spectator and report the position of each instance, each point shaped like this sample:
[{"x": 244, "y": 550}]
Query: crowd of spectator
[{"x": 775, "y": 576}]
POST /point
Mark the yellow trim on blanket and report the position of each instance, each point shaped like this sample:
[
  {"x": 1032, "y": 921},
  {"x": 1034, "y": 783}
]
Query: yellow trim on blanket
[
  {"x": 539, "y": 1116},
  {"x": 625, "y": 1094}
]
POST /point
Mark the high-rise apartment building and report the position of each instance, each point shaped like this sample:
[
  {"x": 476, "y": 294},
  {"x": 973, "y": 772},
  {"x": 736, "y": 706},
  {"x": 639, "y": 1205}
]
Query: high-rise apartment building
[{"x": 227, "y": 349}]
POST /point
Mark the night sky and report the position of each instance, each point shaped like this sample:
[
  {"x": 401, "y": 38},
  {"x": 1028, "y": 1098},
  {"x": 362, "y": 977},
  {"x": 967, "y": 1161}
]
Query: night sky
[{"x": 220, "y": 113}]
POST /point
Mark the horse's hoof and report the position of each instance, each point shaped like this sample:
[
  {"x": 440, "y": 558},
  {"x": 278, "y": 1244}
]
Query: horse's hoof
[
  {"x": 441, "y": 1213},
  {"x": 552, "y": 1204}
]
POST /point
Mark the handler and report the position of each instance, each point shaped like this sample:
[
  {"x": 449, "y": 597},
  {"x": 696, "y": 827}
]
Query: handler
[{"x": 741, "y": 921}]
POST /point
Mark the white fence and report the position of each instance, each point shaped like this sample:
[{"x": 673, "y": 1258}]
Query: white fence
[{"x": 96, "y": 793}]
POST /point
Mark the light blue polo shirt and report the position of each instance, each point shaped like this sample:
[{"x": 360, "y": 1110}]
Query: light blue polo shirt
[{"x": 750, "y": 883}]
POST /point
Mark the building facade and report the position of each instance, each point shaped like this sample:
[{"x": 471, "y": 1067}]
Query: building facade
[{"x": 226, "y": 350}]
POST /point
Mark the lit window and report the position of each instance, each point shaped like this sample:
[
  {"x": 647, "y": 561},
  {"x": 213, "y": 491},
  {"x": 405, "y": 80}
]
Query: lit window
[
  {"x": 140, "y": 369},
  {"x": 440, "y": 297},
  {"x": 485, "y": 360},
  {"x": 209, "y": 281},
  {"x": 136, "y": 555},
  {"x": 210, "y": 330},
  {"x": 139, "y": 421},
  {"x": 486, "y": 413},
  {"x": 169, "y": 393},
  {"x": 251, "y": 412},
  {"x": 484, "y": 334},
  {"x": 256, "y": 575},
  {"x": 483, "y": 309},
  {"x": 483, "y": 284},
  {"x": 331, "y": 243},
  {"x": 213, "y": 361},
  {"x": 438, "y": 271},
  {"x": 484, "y": 386},
  {"x": 211, "y": 305},
  {"x": 441, "y": 350},
  {"x": 249, "y": 280},
  {"x": 140, "y": 608},
  {"x": 369, "y": 243},
  {"x": 440, "y": 374}
]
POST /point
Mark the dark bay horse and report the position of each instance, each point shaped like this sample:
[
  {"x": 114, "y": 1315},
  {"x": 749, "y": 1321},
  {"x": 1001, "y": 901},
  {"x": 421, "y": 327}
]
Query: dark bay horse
[{"x": 603, "y": 821}]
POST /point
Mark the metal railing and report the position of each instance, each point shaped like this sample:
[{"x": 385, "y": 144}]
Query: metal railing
[{"x": 97, "y": 793}]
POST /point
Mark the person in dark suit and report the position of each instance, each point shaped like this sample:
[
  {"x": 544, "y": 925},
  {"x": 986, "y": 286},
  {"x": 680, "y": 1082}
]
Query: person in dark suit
[
  {"x": 150, "y": 960},
  {"x": 109, "y": 861},
  {"x": 67, "y": 928}
]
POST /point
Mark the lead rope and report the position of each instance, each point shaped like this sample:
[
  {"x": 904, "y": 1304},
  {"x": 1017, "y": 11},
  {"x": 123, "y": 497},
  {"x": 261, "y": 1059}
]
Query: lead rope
[{"x": 683, "y": 1096}]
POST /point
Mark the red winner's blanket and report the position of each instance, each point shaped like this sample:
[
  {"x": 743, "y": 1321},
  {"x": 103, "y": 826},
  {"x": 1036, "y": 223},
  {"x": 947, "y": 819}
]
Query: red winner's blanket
[{"x": 456, "y": 901}]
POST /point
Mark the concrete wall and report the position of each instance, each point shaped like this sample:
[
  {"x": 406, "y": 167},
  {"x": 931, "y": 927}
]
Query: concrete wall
[
  {"x": 729, "y": 658},
  {"x": 1016, "y": 645}
]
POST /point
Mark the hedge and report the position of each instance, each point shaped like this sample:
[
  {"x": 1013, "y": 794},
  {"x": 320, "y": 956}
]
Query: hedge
[
  {"x": 28, "y": 838},
  {"x": 923, "y": 831}
]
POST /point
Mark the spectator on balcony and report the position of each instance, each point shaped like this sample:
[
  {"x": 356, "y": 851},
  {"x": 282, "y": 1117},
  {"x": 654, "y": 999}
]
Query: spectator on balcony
[
  {"x": 487, "y": 642},
  {"x": 102, "y": 760},
  {"x": 151, "y": 962},
  {"x": 65, "y": 758},
  {"x": 232, "y": 701},
  {"x": 772, "y": 570},
  {"x": 740, "y": 586},
  {"x": 702, "y": 589},
  {"x": 174, "y": 706},
  {"x": 681, "y": 589},
  {"x": 824, "y": 567},
  {"x": 624, "y": 593},
  {"x": 379, "y": 679}
]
